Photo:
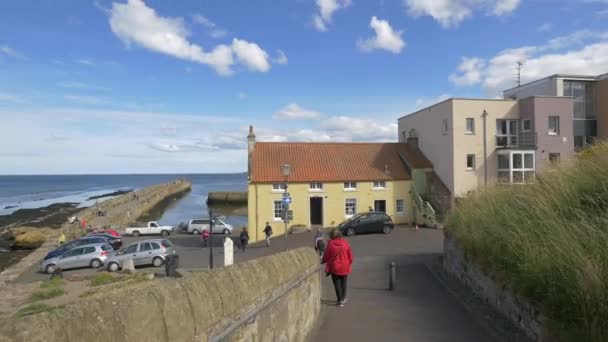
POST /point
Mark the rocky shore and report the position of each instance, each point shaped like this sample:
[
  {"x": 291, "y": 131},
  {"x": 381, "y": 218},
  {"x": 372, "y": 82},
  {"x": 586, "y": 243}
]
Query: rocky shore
[{"x": 119, "y": 212}]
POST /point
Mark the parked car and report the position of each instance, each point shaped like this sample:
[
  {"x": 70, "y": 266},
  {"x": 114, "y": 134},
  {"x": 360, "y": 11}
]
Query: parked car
[
  {"x": 87, "y": 240},
  {"x": 115, "y": 242},
  {"x": 106, "y": 231},
  {"x": 371, "y": 222},
  {"x": 92, "y": 255},
  {"x": 145, "y": 252},
  {"x": 151, "y": 229},
  {"x": 220, "y": 226}
]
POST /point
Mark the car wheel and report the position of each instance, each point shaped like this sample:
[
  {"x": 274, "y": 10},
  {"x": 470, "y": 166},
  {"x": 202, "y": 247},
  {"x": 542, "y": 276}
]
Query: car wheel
[
  {"x": 386, "y": 229},
  {"x": 164, "y": 233},
  {"x": 136, "y": 233},
  {"x": 95, "y": 263},
  {"x": 113, "y": 267},
  {"x": 195, "y": 232},
  {"x": 157, "y": 262},
  {"x": 350, "y": 232},
  {"x": 226, "y": 232},
  {"x": 50, "y": 269}
]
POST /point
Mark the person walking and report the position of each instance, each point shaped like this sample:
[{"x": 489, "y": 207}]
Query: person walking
[
  {"x": 244, "y": 237},
  {"x": 319, "y": 242},
  {"x": 205, "y": 237},
  {"x": 268, "y": 232},
  {"x": 338, "y": 259}
]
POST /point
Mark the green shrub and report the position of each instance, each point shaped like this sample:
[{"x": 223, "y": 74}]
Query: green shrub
[
  {"x": 48, "y": 289},
  {"x": 102, "y": 278},
  {"x": 548, "y": 241},
  {"x": 32, "y": 309}
]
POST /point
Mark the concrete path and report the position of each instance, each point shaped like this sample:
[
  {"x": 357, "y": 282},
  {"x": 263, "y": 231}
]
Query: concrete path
[{"x": 418, "y": 310}]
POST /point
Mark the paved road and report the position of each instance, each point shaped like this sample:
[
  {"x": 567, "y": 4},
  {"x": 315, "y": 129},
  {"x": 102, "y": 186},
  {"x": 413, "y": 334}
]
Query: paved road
[{"x": 418, "y": 310}]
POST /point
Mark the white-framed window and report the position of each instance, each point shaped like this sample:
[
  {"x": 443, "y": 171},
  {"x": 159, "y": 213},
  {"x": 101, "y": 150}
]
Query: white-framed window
[
  {"x": 278, "y": 187},
  {"x": 316, "y": 186},
  {"x": 350, "y": 207},
  {"x": 470, "y": 162},
  {"x": 379, "y": 185},
  {"x": 470, "y": 127},
  {"x": 506, "y": 132},
  {"x": 444, "y": 126},
  {"x": 554, "y": 125},
  {"x": 399, "y": 206},
  {"x": 516, "y": 167},
  {"x": 278, "y": 210},
  {"x": 526, "y": 125},
  {"x": 350, "y": 186}
]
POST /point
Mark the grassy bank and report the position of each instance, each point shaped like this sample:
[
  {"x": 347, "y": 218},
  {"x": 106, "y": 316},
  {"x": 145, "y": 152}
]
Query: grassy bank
[{"x": 548, "y": 241}]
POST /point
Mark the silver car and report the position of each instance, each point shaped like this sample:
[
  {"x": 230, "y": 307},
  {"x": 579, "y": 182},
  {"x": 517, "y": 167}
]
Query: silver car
[
  {"x": 145, "y": 252},
  {"x": 92, "y": 255}
]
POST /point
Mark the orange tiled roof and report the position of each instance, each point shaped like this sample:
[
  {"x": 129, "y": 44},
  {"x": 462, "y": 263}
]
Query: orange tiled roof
[{"x": 334, "y": 162}]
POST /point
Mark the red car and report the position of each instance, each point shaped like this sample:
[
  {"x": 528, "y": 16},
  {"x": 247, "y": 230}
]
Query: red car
[{"x": 105, "y": 231}]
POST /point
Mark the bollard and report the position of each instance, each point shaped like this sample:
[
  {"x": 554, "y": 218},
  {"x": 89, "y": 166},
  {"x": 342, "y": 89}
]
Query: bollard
[{"x": 391, "y": 280}]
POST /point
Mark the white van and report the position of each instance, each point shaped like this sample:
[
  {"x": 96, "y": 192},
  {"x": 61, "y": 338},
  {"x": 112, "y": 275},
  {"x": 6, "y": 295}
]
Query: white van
[{"x": 196, "y": 226}]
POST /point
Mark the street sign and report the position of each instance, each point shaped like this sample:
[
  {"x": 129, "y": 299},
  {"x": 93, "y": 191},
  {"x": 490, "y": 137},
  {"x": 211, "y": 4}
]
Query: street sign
[
  {"x": 289, "y": 215},
  {"x": 286, "y": 200},
  {"x": 286, "y": 194}
]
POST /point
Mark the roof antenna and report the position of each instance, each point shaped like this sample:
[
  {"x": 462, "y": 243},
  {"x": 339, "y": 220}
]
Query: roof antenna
[{"x": 519, "y": 65}]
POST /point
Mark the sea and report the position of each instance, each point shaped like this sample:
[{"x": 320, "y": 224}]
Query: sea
[{"x": 20, "y": 192}]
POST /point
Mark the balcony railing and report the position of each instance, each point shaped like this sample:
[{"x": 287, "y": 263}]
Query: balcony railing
[{"x": 522, "y": 140}]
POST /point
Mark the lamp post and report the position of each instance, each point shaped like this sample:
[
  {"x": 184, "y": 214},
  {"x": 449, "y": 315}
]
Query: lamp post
[
  {"x": 485, "y": 148},
  {"x": 286, "y": 171},
  {"x": 211, "y": 238}
]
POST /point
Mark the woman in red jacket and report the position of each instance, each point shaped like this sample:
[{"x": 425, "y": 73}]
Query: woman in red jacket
[{"x": 338, "y": 259}]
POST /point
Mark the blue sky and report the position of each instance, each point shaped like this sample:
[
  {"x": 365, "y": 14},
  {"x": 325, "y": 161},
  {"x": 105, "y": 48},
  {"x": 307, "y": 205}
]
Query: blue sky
[{"x": 163, "y": 86}]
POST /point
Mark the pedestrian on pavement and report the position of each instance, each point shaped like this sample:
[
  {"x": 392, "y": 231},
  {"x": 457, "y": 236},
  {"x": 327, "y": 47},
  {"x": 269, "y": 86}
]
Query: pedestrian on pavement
[
  {"x": 244, "y": 239},
  {"x": 338, "y": 259},
  {"x": 319, "y": 242},
  {"x": 205, "y": 237},
  {"x": 268, "y": 232}
]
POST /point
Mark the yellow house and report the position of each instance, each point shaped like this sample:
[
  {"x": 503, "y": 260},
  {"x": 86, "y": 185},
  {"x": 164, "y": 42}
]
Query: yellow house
[{"x": 328, "y": 182}]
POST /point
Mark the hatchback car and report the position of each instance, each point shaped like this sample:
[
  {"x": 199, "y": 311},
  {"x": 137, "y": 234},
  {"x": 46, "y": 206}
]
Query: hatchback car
[
  {"x": 93, "y": 256},
  {"x": 88, "y": 240},
  {"x": 106, "y": 231},
  {"x": 145, "y": 252},
  {"x": 372, "y": 222},
  {"x": 114, "y": 241}
]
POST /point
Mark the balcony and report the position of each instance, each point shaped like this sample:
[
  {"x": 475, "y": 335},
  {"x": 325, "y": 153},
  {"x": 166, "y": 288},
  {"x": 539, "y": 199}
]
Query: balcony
[{"x": 525, "y": 141}]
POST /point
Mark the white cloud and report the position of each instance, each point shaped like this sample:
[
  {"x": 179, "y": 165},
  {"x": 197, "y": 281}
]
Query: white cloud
[
  {"x": 214, "y": 31},
  {"x": 581, "y": 52},
  {"x": 345, "y": 128},
  {"x": 86, "y": 99},
  {"x": 251, "y": 55},
  {"x": 294, "y": 112},
  {"x": 85, "y": 61},
  {"x": 326, "y": 11},
  {"x": 546, "y": 26},
  {"x": 80, "y": 85},
  {"x": 13, "y": 98},
  {"x": 4, "y": 49},
  {"x": 450, "y": 13},
  {"x": 422, "y": 102},
  {"x": 386, "y": 38},
  {"x": 136, "y": 23},
  {"x": 281, "y": 58},
  {"x": 470, "y": 72}
]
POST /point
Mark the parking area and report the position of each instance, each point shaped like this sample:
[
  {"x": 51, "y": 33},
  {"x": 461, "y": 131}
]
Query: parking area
[{"x": 189, "y": 248}]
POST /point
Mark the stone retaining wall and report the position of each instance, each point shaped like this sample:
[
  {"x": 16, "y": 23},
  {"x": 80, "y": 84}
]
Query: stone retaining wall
[
  {"x": 524, "y": 315},
  {"x": 193, "y": 308}
]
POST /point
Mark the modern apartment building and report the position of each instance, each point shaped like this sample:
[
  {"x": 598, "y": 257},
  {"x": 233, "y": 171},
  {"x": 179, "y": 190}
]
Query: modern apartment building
[
  {"x": 472, "y": 142},
  {"x": 590, "y": 102}
]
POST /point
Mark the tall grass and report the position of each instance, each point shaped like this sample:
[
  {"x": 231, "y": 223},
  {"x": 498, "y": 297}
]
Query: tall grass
[{"x": 548, "y": 241}]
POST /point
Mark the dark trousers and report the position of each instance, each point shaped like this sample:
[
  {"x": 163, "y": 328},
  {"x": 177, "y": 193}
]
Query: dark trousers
[
  {"x": 244, "y": 245},
  {"x": 340, "y": 286}
]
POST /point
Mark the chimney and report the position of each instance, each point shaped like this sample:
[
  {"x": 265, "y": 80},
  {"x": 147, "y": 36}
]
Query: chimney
[
  {"x": 412, "y": 138},
  {"x": 250, "y": 148}
]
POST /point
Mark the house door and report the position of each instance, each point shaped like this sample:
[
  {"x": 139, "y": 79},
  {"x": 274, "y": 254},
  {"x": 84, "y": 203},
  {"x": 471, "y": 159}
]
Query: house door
[
  {"x": 316, "y": 211},
  {"x": 380, "y": 206}
]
